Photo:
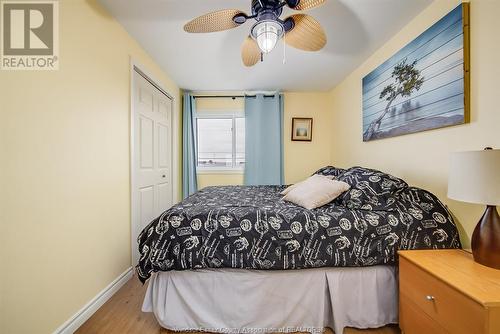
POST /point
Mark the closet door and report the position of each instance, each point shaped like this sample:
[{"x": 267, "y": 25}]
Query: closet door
[{"x": 152, "y": 155}]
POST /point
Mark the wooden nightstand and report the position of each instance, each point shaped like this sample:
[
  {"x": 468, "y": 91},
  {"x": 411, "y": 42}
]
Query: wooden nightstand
[{"x": 445, "y": 291}]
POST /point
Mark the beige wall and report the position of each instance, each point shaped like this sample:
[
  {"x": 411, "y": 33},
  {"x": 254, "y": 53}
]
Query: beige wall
[
  {"x": 304, "y": 158},
  {"x": 301, "y": 158},
  {"x": 422, "y": 158},
  {"x": 64, "y": 178},
  {"x": 220, "y": 104}
]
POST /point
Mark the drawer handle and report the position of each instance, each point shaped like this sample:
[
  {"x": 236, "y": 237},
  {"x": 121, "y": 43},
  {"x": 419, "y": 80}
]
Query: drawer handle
[{"x": 430, "y": 298}]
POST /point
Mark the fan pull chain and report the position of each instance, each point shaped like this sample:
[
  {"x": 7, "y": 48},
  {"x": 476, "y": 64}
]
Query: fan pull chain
[{"x": 284, "y": 49}]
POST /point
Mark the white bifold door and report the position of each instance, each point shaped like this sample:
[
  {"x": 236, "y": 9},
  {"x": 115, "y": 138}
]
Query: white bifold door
[{"x": 152, "y": 156}]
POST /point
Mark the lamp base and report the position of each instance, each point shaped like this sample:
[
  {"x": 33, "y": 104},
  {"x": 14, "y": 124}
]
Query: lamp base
[{"x": 486, "y": 239}]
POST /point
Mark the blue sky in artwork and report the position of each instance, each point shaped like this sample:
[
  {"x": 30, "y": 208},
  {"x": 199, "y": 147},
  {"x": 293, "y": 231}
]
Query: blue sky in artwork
[{"x": 406, "y": 52}]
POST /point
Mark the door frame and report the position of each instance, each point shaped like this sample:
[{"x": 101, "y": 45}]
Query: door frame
[{"x": 137, "y": 67}]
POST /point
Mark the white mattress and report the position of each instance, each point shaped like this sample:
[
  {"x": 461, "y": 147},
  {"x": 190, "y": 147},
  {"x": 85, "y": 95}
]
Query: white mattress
[{"x": 244, "y": 301}]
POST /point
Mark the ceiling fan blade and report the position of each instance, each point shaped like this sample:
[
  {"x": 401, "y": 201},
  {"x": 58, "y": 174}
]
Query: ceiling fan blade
[
  {"x": 307, "y": 34},
  {"x": 250, "y": 52},
  {"x": 215, "y": 21},
  {"x": 308, "y": 4}
]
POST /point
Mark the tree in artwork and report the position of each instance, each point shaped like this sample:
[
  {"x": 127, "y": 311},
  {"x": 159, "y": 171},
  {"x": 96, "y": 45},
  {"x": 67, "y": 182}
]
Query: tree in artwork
[{"x": 406, "y": 80}]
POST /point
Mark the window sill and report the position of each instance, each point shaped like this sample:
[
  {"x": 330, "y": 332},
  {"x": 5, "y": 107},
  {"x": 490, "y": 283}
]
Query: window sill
[{"x": 218, "y": 171}]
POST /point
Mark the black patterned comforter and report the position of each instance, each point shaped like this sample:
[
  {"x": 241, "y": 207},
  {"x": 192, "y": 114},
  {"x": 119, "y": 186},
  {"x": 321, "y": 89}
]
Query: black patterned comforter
[{"x": 252, "y": 227}]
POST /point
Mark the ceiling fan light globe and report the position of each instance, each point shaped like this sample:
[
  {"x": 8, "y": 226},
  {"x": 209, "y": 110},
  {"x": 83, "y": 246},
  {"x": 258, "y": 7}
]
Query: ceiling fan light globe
[
  {"x": 267, "y": 34},
  {"x": 266, "y": 44}
]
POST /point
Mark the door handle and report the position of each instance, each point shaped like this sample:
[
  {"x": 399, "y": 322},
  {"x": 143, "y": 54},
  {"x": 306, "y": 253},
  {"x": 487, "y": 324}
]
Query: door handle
[{"x": 163, "y": 176}]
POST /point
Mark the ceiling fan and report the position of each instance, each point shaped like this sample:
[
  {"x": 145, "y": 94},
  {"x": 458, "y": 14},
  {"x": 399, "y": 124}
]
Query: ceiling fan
[{"x": 300, "y": 30}]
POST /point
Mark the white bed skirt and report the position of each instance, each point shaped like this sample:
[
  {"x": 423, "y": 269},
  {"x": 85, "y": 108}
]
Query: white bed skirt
[{"x": 255, "y": 301}]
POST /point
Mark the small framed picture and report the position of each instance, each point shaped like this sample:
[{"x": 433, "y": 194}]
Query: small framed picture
[{"x": 302, "y": 129}]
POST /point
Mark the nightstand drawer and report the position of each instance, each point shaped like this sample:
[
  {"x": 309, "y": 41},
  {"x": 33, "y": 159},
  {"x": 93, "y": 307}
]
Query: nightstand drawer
[
  {"x": 413, "y": 321},
  {"x": 451, "y": 309}
]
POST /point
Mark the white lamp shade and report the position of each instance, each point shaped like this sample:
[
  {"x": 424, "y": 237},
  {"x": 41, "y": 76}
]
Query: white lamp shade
[{"x": 474, "y": 177}]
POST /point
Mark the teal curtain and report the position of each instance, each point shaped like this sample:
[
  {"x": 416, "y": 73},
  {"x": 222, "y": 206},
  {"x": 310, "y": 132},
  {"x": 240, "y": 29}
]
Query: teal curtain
[
  {"x": 264, "y": 140},
  {"x": 189, "y": 182}
]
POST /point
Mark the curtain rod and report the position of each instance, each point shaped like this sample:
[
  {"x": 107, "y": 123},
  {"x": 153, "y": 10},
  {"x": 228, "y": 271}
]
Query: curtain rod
[{"x": 234, "y": 97}]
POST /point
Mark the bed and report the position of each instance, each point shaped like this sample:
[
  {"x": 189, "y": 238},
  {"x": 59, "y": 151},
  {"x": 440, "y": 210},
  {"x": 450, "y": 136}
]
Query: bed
[{"x": 252, "y": 230}]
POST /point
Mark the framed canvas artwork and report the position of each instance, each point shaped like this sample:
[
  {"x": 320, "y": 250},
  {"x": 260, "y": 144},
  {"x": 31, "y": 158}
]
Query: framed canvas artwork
[
  {"x": 302, "y": 129},
  {"x": 423, "y": 86}
]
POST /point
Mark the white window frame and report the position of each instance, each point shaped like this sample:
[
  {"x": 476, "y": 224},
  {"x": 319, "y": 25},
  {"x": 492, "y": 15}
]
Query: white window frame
[{"x": 220, "y": 114}]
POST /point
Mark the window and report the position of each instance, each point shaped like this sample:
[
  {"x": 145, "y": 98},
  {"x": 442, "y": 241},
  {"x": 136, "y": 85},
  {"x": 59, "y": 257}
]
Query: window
[{"x": 221, "y": 140}]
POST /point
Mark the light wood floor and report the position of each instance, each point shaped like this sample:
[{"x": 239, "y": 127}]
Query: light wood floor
[{"x": 122, "y": 314}]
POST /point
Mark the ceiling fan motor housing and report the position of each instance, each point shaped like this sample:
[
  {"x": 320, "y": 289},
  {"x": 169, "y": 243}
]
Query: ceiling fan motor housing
[
  {"x": 258, "y": 6},
  {"x": 268, "y": 15}
]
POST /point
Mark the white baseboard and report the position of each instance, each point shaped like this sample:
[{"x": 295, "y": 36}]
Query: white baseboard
[{"x": 91, "y": 307}]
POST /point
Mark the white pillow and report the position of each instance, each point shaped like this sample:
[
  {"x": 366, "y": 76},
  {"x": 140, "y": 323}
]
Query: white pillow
[
  {"x": 316, "y": 192},
  {"x": 288, "y": 189}
]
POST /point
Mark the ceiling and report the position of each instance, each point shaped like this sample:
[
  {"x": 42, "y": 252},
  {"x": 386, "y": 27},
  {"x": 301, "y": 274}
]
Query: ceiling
[{"x": 212, "y": 62}]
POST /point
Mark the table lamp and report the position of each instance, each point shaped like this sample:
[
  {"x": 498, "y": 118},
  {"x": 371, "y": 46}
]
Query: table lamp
[{"x": 474, "y": 177}]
